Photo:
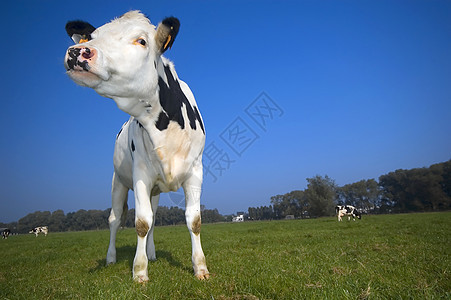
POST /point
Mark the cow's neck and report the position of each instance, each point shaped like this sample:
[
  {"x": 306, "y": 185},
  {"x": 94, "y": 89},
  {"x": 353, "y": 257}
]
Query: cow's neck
[{"x": 144, "y": 110}]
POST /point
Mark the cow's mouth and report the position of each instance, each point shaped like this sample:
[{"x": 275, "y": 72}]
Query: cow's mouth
[
  {"x": 85, "y": 78},
  {"x": 81, "y": 66}
]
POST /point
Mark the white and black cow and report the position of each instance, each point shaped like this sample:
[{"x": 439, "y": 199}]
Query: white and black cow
[
  {"x": 347, "y": 210},
  {"x": 5, "y": 233},
  {"x": 160, "y": 148},
  {"x": 40, "y": 229}
]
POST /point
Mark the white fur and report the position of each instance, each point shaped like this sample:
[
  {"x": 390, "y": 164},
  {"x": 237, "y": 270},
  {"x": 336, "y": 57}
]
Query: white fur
[{"x": 162, "y": 161}]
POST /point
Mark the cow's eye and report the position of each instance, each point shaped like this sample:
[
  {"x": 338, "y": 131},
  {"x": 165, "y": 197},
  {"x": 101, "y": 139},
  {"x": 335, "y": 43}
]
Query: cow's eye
[{"x": 141, "y": 42}]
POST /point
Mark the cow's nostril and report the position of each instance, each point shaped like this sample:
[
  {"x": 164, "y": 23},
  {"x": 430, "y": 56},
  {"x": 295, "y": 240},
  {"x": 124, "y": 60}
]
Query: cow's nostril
[{"x": 87, "y": 53}]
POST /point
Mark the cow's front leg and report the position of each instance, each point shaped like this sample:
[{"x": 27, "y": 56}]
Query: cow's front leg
[
  {"x": 143, "y": 221},
  {"x": 193, "y": 221},
  {"x": 150, "y": 243}
]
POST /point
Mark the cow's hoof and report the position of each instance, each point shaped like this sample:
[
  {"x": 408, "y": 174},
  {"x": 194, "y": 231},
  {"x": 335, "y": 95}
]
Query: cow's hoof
[
  {"x": 152, "y": 257},
  {"x": 203, "y": 275},
  {"x": 141, "y": 278},
  {"x": 111, "y": 257}
]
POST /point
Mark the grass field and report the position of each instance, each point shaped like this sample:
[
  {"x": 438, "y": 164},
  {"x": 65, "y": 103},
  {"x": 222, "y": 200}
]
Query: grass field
[{"x": 379, "y": 257}]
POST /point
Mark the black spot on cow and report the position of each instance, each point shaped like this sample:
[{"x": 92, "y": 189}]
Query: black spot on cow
[
  {"x": 133, "y": 147},
  {"x": 172, "y": 100},
  {"x": 139, "y": 124},
  {"x": 196, "y": 112},
  {"x": 119, "y": 133},
  {"x": 163, "y": 121}
]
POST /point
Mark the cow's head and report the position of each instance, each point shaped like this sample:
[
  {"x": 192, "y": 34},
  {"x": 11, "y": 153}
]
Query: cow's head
[{"x": 119, "y": 59}]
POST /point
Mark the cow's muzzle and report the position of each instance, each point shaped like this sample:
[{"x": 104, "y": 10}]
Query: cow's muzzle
[{"x": 80, "y": 58}]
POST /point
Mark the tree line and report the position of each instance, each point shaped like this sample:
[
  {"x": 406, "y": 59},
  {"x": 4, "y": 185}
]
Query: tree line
[
  {"x": 401, "y": 191},
  {"x": 98, "y": 219}
]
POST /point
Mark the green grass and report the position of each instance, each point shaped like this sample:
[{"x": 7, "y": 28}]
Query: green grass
[{"x": 379, "y": 257}]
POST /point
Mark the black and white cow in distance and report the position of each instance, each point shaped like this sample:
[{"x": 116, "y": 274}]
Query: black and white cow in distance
[
  {"x": 160, "y": 148},
  {"x": 5, "y": 232},
  {"x": 40, "y": 229},
  {"x": 347, "y": 210}
]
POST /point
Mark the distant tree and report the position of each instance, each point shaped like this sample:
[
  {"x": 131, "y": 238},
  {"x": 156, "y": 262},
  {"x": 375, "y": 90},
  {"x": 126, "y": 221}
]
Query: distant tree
[
  {"x": 82, "y": 220},
  {"x": 320, "y": 195},
  {"x": 228, "y": 218},
  {"x": 43, "y": 218},
  {"x": 261, "y": 213},
  {"x": 176, "y": 216},
  {"x": 130, "y": 221},
  {"x": 252, "y": 212},
  {"x": 99, "y": 219},
  {"x": 161, "y": 218},
  {"x": 298, "y": 204},
  {"x": 280, "y": 206},
  {"x": 446, "y": 177},
  {"x": 292, "y": 203},
  {"x": 57, "y": 221},
  {"x": 267, "y": 213},
  {"x": 68, "y": 222},
  {"x": 211, "y": 216},
  {"x": 32, "y": 220},
  {"x": 364, "y": 194},
  {"x": 420, "y": 189},
  {"x": 169, "y": 216}
]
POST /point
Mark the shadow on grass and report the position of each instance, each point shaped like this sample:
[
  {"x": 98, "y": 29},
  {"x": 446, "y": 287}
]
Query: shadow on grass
[
  {"x": 127, "y": 253},
  {"x": 166, "y": 255},
  {"x": 124, "y": 253}
]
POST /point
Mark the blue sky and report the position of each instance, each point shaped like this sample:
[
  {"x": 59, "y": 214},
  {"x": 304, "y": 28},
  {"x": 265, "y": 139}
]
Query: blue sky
[{"x": 357, "y": 89}]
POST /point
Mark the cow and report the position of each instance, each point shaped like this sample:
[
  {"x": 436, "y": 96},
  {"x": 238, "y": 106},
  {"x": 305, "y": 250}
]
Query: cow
[
  {"x": 5, "y": 233},
  {"x": 347, "y": 210},
  {"x": 159, "y": 149},
  {"x": 40, "y": 229}
]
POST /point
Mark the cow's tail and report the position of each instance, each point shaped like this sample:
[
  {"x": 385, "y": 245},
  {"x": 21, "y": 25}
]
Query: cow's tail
[{"x": 336, "y": 210}]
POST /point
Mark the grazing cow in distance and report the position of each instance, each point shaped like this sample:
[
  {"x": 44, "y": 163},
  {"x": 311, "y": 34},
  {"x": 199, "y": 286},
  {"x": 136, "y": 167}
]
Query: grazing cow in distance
[
  {"x": 5, "y": 233},
  {"x": 159, "y": 149},
  {"x": 38, "y": 230},
  {"x": 347, "y": 210}
]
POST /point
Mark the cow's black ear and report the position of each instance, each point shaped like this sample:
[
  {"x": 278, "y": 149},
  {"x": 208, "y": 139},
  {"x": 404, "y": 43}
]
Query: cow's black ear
[
  {"x": 79, "y": 31},
  {"x": 166, "y": 32}
]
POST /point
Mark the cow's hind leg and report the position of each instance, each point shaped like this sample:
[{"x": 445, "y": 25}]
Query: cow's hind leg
[
  {"x": 118, "y": 213},
  {"x": 150, "y": 243}
]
